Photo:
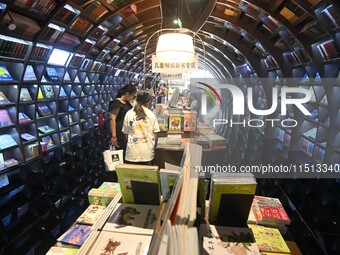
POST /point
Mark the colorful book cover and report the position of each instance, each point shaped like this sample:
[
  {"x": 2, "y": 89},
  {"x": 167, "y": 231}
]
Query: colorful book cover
[
  {"x": 139, "y": 184},
  {"x": 132, "y": 219},
  {"x": 91, "y": 214},
  {"x": 62, "y": 251},
  {"x": 47, "y": 91},
  {"x": 6, "y": 141},
  {"x": 76, "y": 235},
  {"x": 269, "y": 239},
  {"x": 43, "y": 110},
  {"x": 271, "y": 210},
  {"x": 48, "y": 141},
  {"x": 3, "y": 98},
  {"x": 118, "y": 243},
  {"x": 190, "y": 121},
  {"x": 114, "y": 186},
  {"x": 5, "y": 120},
  {"x": 4, "y": 74},
  {"x": 51, "y": 74},
  {"x": 29, "y": 74},
  {"x": 175, "y": 123},
  {"x": 27, "y": 136},
  {"x": 25, "y": 95},
  {"x": 23, "y": 117},
  {"x": 46, "y": 129},
  {"x": 40, "y": 94}
]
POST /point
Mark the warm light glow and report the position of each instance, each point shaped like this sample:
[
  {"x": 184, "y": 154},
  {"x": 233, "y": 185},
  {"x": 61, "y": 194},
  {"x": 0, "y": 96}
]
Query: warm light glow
[{"x": 175, "y": 46}]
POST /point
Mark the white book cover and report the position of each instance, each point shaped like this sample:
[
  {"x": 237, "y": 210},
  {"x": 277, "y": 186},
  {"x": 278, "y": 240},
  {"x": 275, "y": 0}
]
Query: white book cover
[
  {"x": 213, "y": 246},
  {"x": 117, "y": 243},
  {"x": 91, "y": 214},
  {"x": 167, "y": 178},
  {"x": 27, "y": 136},
  {"x": 132, "y": 218}
]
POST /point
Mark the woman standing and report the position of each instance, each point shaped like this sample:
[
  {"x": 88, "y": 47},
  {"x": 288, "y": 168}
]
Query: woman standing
[
  {"x": 118, "y": 108},
  {"x": 141, "y": 128}
]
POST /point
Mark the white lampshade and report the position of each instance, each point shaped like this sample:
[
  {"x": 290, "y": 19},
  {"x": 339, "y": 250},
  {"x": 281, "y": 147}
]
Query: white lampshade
[{"x": 175, "y": 46}]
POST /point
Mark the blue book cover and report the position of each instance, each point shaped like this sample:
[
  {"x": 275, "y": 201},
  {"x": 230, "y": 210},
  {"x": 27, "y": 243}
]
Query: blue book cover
[
  {"x": 4, "y": 74},
  {"x": 76, "y": 235}
]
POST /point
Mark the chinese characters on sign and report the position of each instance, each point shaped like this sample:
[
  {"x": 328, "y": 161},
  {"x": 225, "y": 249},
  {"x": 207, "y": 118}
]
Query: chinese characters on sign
[{"x": 173, "y": 66}]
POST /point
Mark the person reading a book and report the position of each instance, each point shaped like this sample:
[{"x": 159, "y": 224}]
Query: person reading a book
[
  {"x": 118, "y": 108},
  {"x": 141, "y": 128}
]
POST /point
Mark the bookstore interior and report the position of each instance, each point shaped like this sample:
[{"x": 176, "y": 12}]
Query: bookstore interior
[{"x": 247, "y": 98}]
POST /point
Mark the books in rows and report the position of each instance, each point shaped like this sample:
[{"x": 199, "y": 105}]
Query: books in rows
[
  {"x": 269, "y": 239},
  {"x": 139, "y": 184},
  {"x": 118, "y": 243},
  {"x": 6, "y": 141},
  {"x": 91, "y": 214},
  {"x": 3, "y": 98},
  {"x": 5, "y": 120},
  {"x": 132, "y": 219},
  {"x": 231, "y": 197},
  {"x": 75, "y": 235},
  {"x": 24, "y": 25},
  {"x": 227, "y": 240}
]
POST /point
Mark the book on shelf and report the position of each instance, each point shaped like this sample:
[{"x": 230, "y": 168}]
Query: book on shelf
[
  {"x": 47, "y": 91},
  {"x": 43, "y": 110},
  {"x": 269, "y": 239},
  {"x": 132, "y": 219},
  {"x": 24, "y": 25},
  {"x": 69, "y": 40},
  {"x": 51, "y": 74},
  {"x": 76, "y": 235},
  {"x": 91, "y": 214},
  {"x": 119, "y": 243},
  {"x": 23, "y": 117},
  {"x": 311, "y": 133},
  {"x": 3, "y": 99},
  {"x": 52, "y": 33},
  {"x": 48, "y": 141},
  {"x": 25, "y": 95},
  {"x": 56, "y": 250},
  {"x": 67, "y": 76},
  {"x": 66, "y": 14},
  {"x": 11, "y": 162},
  {"x": 45, "y": 7},
  {"x": 81, "y": 25},
  {"x": 29, "y": 74},
  {"x": 64, "y": 137},
  {"x": 319, "y": 154},
  {"x": 291, "y": 12},
  {"x": 6, "y": 141},
  {"x": 328, "y": 50},
  {"x": 212, "y": 246},
  {"x": 96, "y": 10},
  {"x": 314, "y": 114},
  {"x": 62, "y": 92},
  {"x": 3, "y": 178},
  {"x": 139, "y": 184},
  {"x": 5, "y": 119},
  {"x": 5, "y": 74},
  {"x": 231, "y": 196},
  {"x": 46, "y": 129},
  {"x": 27, "y": 136},
  {"x": 175, "y": 123},
  {"x": 40, "y": 52}
]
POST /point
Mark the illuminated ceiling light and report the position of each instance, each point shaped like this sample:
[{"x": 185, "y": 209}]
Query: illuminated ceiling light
[
  {"x": 175, "y": 21},
  {"x": 175, "y": 45}
]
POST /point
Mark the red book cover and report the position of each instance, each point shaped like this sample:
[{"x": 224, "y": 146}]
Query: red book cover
[
  {"x": 271, "y": 210},
  {"x": 5, "y": 120}
]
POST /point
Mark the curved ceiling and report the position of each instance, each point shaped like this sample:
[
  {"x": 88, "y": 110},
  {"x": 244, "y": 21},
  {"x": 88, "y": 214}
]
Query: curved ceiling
[{"x": 235, "y": 32}]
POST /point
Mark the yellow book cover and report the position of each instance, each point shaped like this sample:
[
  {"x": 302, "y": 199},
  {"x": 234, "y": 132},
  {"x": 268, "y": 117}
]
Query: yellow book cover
[
  {"x": 269, "y": 239},
  {"x": 40, "y": 94}
]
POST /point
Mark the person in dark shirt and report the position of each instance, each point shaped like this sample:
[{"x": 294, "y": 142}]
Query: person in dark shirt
[{"x": 118, "y": 108}]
